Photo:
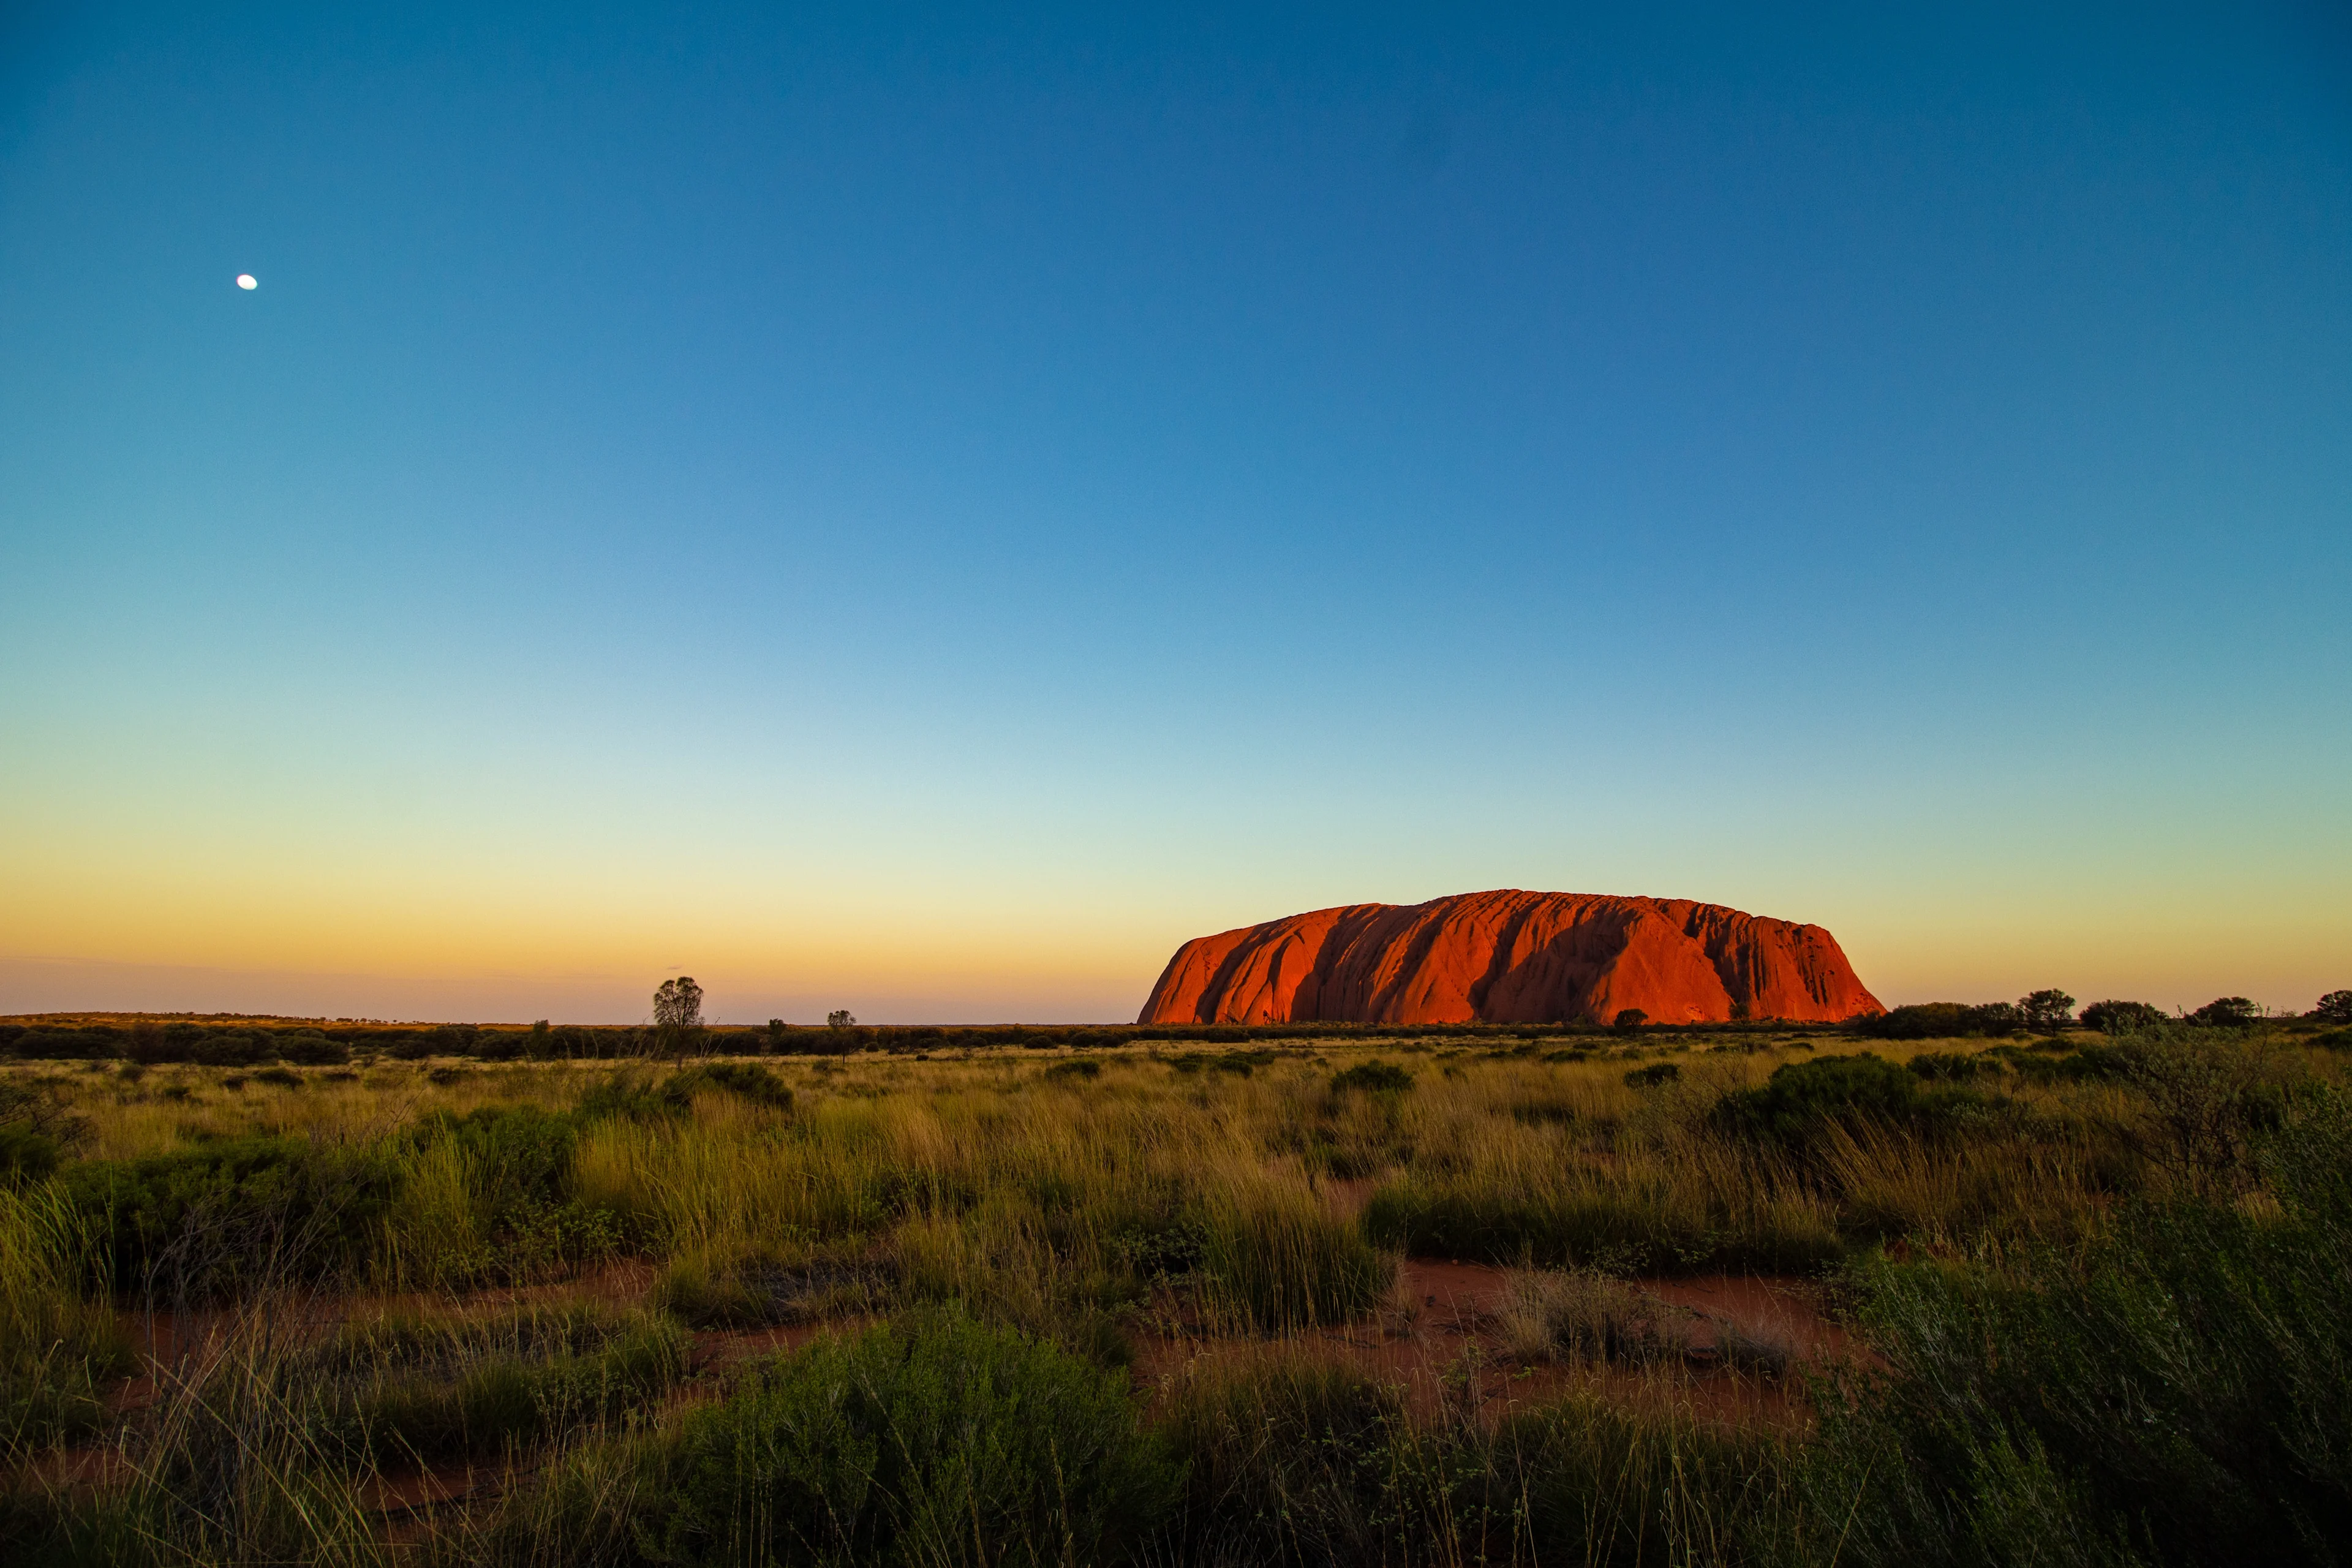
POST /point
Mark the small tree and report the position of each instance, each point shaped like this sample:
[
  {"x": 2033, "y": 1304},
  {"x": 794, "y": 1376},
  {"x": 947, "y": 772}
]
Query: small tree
[
  {"x": 1630, "y": 1020},
  {"x": 2205, "y": 1100},
  {"x": 677, "y": 1015},
  {"x": 2335, "y": 1008},
  {"x": 2227, "y": 1013},
  {"x": 2116, "y": 1017},
  {"x": 2047, "y": 1012},
  {"x": 839, "y": 1019}
]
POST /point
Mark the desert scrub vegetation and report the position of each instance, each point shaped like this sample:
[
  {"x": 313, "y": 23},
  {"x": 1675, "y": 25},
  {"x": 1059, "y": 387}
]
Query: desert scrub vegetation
[
  {"x": 1179, "y": 1306},
  {"x": 932, "y": 1439}
]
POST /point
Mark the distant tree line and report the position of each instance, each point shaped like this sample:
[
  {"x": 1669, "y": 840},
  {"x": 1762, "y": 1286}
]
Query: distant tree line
[
  {"x": 246, "y": 1043},
  {"x": 237, "y": 1043},
  {"x": 2047, "y": 1011}
]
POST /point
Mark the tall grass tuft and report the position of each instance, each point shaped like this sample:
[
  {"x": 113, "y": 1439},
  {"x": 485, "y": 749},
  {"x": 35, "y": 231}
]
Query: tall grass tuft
[
  {"x": 59, "y": 1338},
  {"x": 2175, "y": 1390},
  {"x": 1274, "y": 1258},
  {"x": 935, "y": 1440},
  {"x": 228, "y": 1467},
  {"x": 1294, "y": 1459}
]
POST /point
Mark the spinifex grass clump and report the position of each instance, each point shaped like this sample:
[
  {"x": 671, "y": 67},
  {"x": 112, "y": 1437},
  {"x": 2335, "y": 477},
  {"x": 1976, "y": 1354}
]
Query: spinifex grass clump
[
  {"x": 490, "y": 1196},
  {"x": 2176, "y": 1392},
  {"x": 235, "y": 1463},
  {"x": 1583, "y": 1481},
  {"x": 1294, "y": 1459},
  {"x": 1685, "y": 1208},
  {"x": 38, "y": 1129},
  {"x": 400, "y": 1390},
  {"x": 1585, "y": 1315},
  {"x": 1374, "y": 1076},
  {"x": 934, "y": 1441},
  {"x": 780, "y": 1283},
  {"x": 58, "y": 1341},
  {"x": 1272, "y": 1257},
  {"x": 227, "y": 1216},
  {"x": 1801, "y": 1100}
]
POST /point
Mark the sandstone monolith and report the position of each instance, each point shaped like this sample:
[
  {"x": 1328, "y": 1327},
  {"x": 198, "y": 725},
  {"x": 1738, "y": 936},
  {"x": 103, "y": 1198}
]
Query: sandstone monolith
[{"x": 1511, "y": 957}]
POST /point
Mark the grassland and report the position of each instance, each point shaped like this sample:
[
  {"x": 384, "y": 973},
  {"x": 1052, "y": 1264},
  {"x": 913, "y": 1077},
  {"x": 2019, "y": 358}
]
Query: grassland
[{"x": 1741, "y": 1298}]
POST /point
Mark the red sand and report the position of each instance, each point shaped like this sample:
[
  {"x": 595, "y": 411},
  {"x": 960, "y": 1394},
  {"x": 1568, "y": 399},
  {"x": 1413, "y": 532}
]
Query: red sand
[{"x": 1452, "y": 1335}]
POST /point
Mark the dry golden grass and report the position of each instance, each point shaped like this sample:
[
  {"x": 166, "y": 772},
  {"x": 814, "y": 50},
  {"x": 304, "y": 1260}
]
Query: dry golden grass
[{"x": 1111, "y": 1203}]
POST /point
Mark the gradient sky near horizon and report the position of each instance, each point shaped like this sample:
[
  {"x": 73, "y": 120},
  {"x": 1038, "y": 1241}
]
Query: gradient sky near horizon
[{"x": 923, "y": 511}]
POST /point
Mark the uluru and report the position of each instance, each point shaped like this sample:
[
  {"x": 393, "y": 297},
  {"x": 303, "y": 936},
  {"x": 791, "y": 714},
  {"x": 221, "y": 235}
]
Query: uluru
[{"x": 1511, "y": 957}]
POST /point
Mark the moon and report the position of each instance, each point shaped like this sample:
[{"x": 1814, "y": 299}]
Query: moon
[{"x": 245, "y": 281}]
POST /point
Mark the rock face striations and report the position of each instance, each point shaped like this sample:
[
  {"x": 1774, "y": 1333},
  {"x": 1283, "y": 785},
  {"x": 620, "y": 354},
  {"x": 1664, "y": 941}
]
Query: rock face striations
[{"x": 1511, "y": 957}]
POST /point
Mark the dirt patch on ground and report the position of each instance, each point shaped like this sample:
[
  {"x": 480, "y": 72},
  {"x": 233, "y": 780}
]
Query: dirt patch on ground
[
  {"x": 1747, "y": 1340},
  {"x": 1438, "y": 1338}
]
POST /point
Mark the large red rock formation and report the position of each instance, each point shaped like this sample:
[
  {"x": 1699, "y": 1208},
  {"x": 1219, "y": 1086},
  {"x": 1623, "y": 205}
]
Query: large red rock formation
[{"x": 1511, "y": 957}]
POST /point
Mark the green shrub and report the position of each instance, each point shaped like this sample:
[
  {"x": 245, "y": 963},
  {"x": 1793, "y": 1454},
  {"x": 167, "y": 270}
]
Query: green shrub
[
  {"x": 308, "y": 1047},
  {"x": 1375, "y": 1077},
  {"x": 1241, "y": 1064},
  {"x": 403, "y": 1392},
  {"x": 935, "y": 1440},
  {"x": 1589, "y": 1480},
  {"x": 1278, "y": 1260},
  {"x": 58, "y": 1341},
  {"x": 515, "y": 1154},
  {"x": 25, "y": 1155},
  {"x": 1794, "y": 1106},
  {"x": 745, "y": 1080},
  {"x": 37, "y": 1129},
  {"x": 2114, "y": 1017},
  {"x": 1077, "y": 1069},
  {"x": 230, "y": 1048},
  {"x": 229, "y": 1215},
  {"x": 1950, "y": 1067},
  {"x": 692, "y": 1291},
  {"x": 629, "y": 1096},
  {"x": 2176, "y": 1392},
  {"x": 2210, "y": 1093},
  {"x": 760, "y": 1287},
  {"x": 1654, "y": 1074},
  {"x": 488, "y": 1196},
  {"x": 1293, "y": 1459},
  {"x": 2086, "y": 1064},
  {"x": 1631, "y": 1231},
  {"x": 1940, "y": 1020},
  {"x": 1290, "y": 1459}
]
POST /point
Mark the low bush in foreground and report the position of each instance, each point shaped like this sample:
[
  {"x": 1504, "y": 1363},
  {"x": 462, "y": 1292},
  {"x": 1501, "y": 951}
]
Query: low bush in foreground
[
  {"x": 931, "y": 1441},
  {"x": 1583, "y": 1224},
  {"x": 403, "y": 1390},
  {"x": 59, "y": 1342},
  {"x": 1794, "y": 1107},
  {"x": 1294, "y": 1459},
  {"x": 2174, "y": 1392},
  {"x": 1126, "y": 1315},
  {"x": 228, "y": 1215}
]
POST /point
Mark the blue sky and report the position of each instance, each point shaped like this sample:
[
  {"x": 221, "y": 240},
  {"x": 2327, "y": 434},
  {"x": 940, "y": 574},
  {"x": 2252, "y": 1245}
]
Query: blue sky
[{"x": 924, "y": 511}]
